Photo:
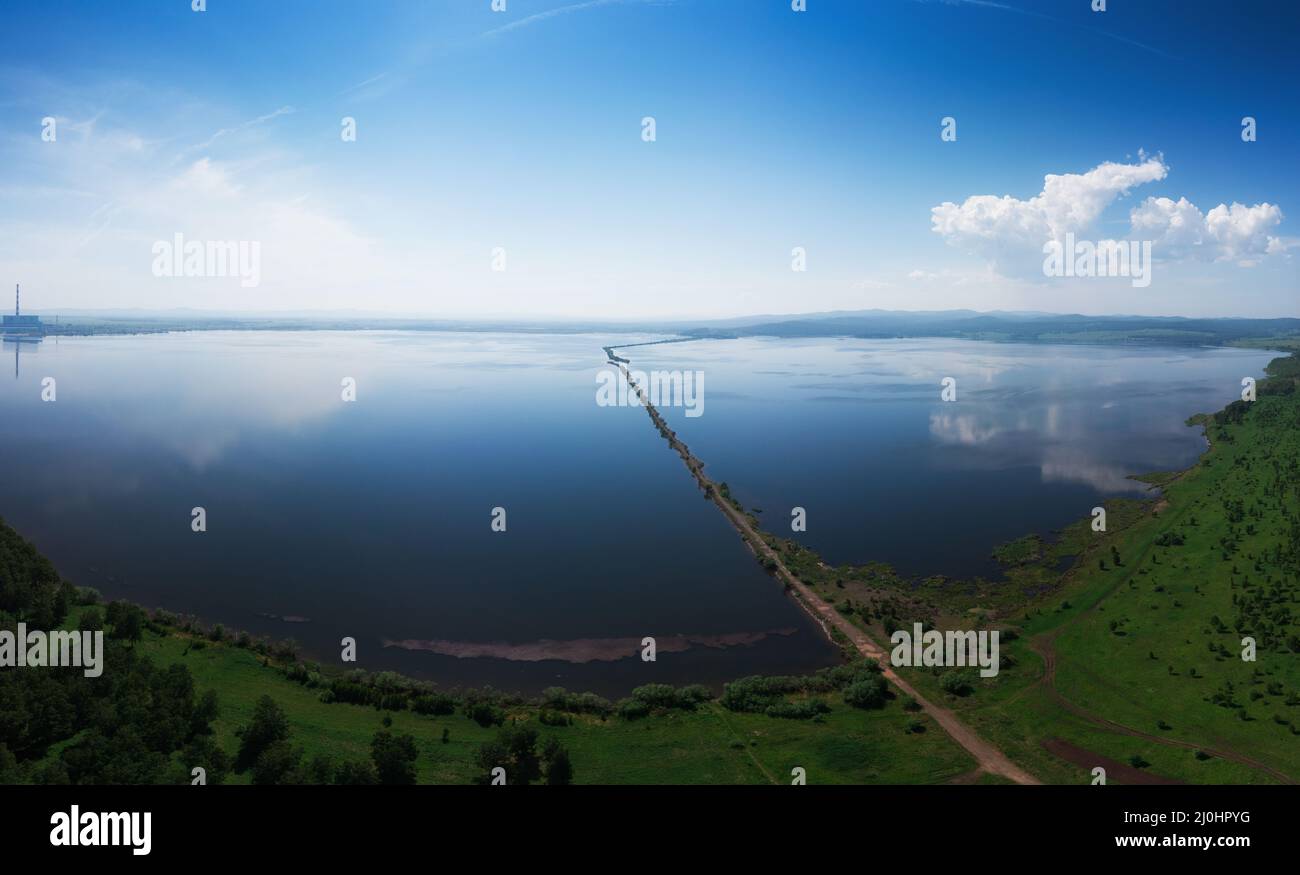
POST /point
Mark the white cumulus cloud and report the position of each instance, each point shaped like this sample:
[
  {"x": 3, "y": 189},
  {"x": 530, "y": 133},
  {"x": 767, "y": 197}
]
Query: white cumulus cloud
[
  {"x": 1179, "y": 229},
  {"x": 1009, "y": 232}
]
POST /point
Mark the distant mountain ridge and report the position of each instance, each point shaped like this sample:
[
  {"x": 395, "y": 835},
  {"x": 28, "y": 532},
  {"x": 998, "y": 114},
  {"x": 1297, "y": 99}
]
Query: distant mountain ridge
[
  {"x": 1021, "y": 327},
  {"x": 1018, "y": 327}
]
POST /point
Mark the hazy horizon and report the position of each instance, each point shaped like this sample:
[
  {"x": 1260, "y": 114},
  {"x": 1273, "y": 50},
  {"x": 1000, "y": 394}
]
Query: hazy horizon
[{"x": 631, "y": 322}]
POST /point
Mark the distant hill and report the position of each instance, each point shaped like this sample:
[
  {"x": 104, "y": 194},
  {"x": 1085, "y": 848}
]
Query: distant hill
[{"x": 1017, "y": 327}]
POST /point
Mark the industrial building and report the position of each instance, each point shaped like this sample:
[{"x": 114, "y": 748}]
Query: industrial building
[{"x": 18, "y": 326}]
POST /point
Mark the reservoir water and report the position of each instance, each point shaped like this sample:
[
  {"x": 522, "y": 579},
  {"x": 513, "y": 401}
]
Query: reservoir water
[
  {"x": 856, "y": 433},
  {"x": 372, "y": 518}
]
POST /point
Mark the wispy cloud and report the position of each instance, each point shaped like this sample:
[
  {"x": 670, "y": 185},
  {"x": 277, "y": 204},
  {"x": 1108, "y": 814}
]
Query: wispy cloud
[
  {"x": 1004, "y": 7},
  {"x": 374, "y": 87},
  {"x": 85, "y": 128},
  {"x": 224, "y": 132},
  {"x": 362, "y": 84},
  {"x": 562, "y": 10}
]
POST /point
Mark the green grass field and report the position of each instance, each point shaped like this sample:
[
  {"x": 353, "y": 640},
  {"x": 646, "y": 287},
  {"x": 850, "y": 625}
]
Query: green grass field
[
  {"x": 1154, "y": 643},
  {"x": 710, "y": 745}
]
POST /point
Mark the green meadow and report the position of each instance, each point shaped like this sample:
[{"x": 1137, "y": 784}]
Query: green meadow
[
  {"x": 1153, "y": 642},
  {"x": 709, "y": 745}
]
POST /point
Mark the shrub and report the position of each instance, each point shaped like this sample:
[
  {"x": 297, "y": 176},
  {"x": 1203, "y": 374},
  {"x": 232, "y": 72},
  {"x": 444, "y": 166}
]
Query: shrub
[
  {"x": 633, "y": 709},
  {"x": 957, "y": 683},
  {"x": 548, "y": 717},
  {"x": 805, "y": 709},
  {"x": 434, "y": 704},
  {"x": 866, "y": 692},
  {"x": 485, "y": 714}
]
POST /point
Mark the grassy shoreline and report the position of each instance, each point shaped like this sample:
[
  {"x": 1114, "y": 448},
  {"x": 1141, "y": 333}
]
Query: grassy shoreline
[
  {"x": 1096, "y": 627},
  {"x": 1026, "y": 709}
]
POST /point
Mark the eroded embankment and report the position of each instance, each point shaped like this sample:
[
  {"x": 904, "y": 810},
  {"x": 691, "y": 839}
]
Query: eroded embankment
[{"x": 581, "y": 650}]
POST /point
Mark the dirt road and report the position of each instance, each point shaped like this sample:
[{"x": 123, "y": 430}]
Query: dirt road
[
  {"x": 990, "y": 759},
  {"x": 1045, "y": 646}
]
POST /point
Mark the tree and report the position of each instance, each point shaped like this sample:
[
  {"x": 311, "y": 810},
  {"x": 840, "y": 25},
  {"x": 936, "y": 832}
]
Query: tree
[
  {"x": 126, "y": 620},
  {"x": 955, "y": 682},
  {"x": 485, "y": 714},
  {"x": 278, "y": 764},
  {"x": 91, "y": 620},
  {"x": 204, "y": 753},
  {"x": 205, "y": 711},
  {"x": 868, "y": 691},
  {"x": 319, "y": 770},
  {"x": 515, "y": 750},
  {"x": 269, "y": 725},
  {"x": 123, "y": 758},
  {"x": 394, "y": 757},
  {"x": 8, "y": 766},
  {"x": 356, "y": 772},
  {"x": 559, "y": 769}
]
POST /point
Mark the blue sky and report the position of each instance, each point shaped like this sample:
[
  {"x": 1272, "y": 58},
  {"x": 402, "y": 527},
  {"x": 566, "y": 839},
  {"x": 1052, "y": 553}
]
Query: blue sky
[{"x": 775, "y": 129}]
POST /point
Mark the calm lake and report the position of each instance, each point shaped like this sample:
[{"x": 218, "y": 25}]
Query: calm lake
[
  {"x": 372, "y": 518},
  {"x": 855, "y": 432}
]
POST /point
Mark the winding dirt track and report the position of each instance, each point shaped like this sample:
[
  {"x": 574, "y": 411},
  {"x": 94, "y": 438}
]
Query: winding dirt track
[
  {"x": 1045, "y": 646},
  {"x": 990, "y": 759}
]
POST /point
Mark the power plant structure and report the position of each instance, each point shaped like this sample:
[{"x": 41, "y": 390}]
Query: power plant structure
[
  {"x": 19, "y": 327},
  {"x": 19, "y": 330}
]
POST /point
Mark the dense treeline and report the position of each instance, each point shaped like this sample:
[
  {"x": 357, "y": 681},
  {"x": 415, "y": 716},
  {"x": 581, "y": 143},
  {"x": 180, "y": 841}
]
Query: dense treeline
[
  {"x": 134, "y": 723},
  {"x": 30, "y": 588},
  {"x": 137, "y": 722},
  {"x": 861, "y": 684},
  {"x": 268, "y": 754},
  {"x": 141, "y": 723},
  {"x": 513, "y": 759}
]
